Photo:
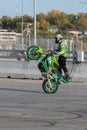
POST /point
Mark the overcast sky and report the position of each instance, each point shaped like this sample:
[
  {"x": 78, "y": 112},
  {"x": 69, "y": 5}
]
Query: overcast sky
[{"x": 14, "y": 7}]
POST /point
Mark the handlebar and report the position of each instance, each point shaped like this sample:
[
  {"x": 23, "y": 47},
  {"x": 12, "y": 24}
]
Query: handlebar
[{"x": 51, "y": 52}]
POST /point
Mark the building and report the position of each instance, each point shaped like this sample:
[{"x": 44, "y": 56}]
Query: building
[
  {"x": 74, "y": 31},
  {"x": 8, "y": 39}
]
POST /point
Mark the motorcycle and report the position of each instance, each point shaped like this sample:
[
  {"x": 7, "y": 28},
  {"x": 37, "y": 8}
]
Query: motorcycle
[{"x": 48, "y": 65}]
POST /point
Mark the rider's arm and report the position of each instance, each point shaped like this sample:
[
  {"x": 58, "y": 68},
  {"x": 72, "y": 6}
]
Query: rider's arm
[
  {"x": 43, "y": 53},
  {"x": 61, "y": 52},
  {"x": 48, "y": 52}
]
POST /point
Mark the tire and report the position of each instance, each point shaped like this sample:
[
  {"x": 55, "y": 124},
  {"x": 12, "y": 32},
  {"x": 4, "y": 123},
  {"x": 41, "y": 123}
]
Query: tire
[
  {"x": 32, "y": 54},
  {"x": 47, "y": 89}
]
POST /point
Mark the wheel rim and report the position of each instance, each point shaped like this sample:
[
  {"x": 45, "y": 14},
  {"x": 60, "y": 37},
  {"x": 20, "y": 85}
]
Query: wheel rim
[
  {"x": 51, "y": 89},
  {"x": 32, "y": 54}
]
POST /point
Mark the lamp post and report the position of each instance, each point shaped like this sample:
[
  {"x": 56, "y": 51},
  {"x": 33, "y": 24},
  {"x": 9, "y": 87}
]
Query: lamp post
[
  {"x": 28, "y": 32},
  {"x": 35, "y": 22},
  {"x": 16, "y": 8},
  {"x": 22, "y": 27}
]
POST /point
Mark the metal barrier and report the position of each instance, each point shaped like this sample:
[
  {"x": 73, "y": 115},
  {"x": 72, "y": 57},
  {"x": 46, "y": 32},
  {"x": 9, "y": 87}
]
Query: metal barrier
[
  {"x": 22, "y": 55},
  {"x": 13, "y": 50},
  {"x": 13, "y": 54}
]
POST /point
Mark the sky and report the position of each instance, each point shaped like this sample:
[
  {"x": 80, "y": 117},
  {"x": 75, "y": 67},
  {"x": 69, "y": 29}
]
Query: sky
[{"x": 14, "y": 8}]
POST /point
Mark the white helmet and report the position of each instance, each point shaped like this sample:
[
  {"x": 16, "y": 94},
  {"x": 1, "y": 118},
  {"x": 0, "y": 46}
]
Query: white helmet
[{"x": 58, "y": 37}]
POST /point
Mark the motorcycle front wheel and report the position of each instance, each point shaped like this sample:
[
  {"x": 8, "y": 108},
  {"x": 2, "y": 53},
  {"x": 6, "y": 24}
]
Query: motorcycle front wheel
[
  {"x": 32, "y": 54},
  {"x": 50, "y": 89}
]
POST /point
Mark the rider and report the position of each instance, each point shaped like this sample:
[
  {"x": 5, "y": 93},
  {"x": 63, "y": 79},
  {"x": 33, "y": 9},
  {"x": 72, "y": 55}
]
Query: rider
[{"x": 63, "y": 53}]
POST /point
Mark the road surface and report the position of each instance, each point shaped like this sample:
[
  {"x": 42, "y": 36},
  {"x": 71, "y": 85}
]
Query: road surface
[{"x": 24, "y": 106}]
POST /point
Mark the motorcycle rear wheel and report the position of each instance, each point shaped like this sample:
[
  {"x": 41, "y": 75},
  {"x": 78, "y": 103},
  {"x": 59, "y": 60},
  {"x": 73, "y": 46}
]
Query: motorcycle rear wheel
[
  {"x": 32, "y": 54},
  {"x": 47, "y": 89}
]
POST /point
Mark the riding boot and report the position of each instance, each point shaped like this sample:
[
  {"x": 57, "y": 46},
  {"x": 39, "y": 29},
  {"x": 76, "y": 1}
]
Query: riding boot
[{"x": 67, "y": 76}]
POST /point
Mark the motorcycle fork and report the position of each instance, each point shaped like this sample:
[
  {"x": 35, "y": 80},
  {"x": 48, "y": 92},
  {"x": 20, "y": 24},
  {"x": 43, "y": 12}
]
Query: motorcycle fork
[{"x": 49, "y": 77}]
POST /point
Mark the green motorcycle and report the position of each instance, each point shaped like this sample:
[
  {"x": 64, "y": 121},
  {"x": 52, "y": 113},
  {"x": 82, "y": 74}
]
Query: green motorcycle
[{"x": 48, "y": 65}]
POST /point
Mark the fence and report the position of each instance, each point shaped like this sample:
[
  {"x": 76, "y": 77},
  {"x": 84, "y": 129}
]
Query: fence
[{"x": 11, "y": 49}]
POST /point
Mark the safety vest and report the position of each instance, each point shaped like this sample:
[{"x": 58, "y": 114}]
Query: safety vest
[{"x": 62, "y": 49}]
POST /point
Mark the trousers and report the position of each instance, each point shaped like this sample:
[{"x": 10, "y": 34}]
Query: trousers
[{"x": 62, "y": 64}]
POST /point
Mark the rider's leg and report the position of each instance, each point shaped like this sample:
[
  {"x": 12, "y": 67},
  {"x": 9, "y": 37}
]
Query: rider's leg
[
  {"x": 60, "y": 67},
  {"x": 66, "y": 73},
  {"x": 40, "y": 67},
  {"x": 62, "y": 61}
]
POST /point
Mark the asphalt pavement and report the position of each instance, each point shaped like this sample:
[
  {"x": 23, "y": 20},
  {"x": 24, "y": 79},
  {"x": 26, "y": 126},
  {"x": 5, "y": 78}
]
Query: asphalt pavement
[{"x": 24, "y": 106}]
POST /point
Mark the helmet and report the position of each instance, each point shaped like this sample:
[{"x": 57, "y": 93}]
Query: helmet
[{"x": 58, "y": 37}]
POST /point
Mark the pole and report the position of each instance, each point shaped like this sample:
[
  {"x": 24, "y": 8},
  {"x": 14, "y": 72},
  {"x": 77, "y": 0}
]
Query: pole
[
  {"x": 35, "y": 22},
  {"x": 16, "y": 8},
  {"x": 22, "y": 26}
]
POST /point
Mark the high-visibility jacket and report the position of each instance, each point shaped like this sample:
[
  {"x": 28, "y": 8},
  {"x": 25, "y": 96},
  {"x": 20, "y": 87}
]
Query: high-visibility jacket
[{"x": 63, "y": 49}]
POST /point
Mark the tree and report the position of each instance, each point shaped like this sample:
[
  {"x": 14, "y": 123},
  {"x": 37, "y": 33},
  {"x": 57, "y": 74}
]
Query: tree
[
  {"x": 42, "y": 23},
  {"x": 82, "y": 21},
  {"x": 5, "y": 22},
  {"x": 55, "y": 18}
]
